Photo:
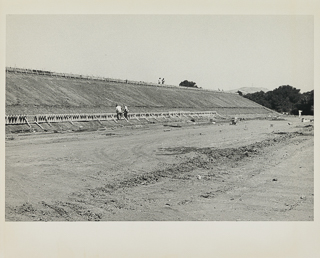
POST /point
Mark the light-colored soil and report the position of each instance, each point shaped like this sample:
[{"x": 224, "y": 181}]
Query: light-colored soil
[
  {"x": 256, "y": 170},
  {"x": 33, "y": 94}
]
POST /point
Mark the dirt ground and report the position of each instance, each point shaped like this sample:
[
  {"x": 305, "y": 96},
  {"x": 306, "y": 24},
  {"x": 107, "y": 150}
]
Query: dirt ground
[{"x": 257, "y": 170}]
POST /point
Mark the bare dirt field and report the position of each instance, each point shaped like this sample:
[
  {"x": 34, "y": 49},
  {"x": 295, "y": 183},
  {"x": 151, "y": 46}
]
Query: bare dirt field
[{"x": 257, "y": 170}]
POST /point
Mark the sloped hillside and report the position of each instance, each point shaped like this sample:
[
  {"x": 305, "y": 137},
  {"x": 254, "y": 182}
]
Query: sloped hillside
[{"x": 28, "y": 93}]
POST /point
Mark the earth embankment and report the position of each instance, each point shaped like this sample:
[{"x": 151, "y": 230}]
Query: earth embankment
[{"x": 31, "y": 93}]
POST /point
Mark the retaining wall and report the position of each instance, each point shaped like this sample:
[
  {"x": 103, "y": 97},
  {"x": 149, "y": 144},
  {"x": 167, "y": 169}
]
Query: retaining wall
[{"x": 54, "y": 118}]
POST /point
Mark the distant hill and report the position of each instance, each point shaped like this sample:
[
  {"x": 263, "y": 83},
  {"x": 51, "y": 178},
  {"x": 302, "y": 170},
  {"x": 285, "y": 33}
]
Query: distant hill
[{"x": 246, "y": 90}]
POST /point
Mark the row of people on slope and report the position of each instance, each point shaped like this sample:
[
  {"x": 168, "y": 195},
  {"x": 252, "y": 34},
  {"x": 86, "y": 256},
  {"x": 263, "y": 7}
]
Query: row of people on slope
[{"x": 119, "y": 112}]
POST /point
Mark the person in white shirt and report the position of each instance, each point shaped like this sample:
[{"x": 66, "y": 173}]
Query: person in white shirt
[{"x": 118, "y": 111}]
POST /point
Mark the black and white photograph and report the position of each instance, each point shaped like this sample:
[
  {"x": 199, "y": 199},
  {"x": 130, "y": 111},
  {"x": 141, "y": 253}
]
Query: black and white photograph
[
  {"x": 164, "y": 117},
  {"x": 159, "y": 117}
]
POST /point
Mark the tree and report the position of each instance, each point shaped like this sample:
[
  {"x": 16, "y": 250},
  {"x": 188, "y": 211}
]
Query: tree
[
  {"x": 305, "y": 103},
  {"x": 284, "y": 99},
  {"x": 260, "y": 97},
  {"x": 187, "y": 83}
]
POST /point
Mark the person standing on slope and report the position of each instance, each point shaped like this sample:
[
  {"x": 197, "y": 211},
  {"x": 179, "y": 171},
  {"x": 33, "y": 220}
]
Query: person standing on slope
[
  {"x": 125, "y": 112},
  {"x": 118, "y": 111}
]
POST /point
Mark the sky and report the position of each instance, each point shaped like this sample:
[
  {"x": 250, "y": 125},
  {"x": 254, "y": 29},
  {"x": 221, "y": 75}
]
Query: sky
[{"x": 216, "y": 51}]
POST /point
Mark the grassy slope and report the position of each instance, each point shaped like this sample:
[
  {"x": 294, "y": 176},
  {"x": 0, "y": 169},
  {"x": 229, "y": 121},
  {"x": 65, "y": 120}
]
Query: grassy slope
[{"x": 35, "y": 94}]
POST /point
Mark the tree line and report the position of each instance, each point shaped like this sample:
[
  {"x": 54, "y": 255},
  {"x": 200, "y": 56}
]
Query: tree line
[{"x": 284, "y": 99}]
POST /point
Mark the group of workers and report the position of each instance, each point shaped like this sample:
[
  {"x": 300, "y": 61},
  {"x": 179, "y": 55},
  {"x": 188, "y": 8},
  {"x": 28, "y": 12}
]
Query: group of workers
[{"x": 119, "y": 112}]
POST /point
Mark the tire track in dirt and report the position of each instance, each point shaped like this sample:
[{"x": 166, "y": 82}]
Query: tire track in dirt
[{"x": 209, "y": 158}]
